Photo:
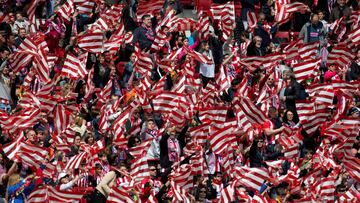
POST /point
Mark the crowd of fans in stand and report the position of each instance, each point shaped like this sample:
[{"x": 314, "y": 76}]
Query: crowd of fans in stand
[{"x": 172, "y": 148}]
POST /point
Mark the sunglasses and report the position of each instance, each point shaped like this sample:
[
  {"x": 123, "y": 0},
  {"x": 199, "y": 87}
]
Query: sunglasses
[{"x": 153, "y": 169}]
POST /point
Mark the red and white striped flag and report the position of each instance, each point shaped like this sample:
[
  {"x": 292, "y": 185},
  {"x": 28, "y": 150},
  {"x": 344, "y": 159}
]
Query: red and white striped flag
[
  {"x": 204, "y": 25},
  {"x": 350, "y": 195},
  {"x": 56, "y": 195},
  {"x": 32, "y": 155},
  {"x": 214, "y": 115},
  {"x": 166, "y": 101},
  {"x": 76, "y": 160},
  {"x": 105, "y": 93},
  {"x": 352, "y": 166},
  {"x": 221, "y": 139},
  {"x": 92, "y": 41},
  {"x": 22, "y": 120},
  {"x": 305, "y": 70},
  {"x": 73, "y": 67},
  {"x": 252, "y": 112},
  {"x": 39, "y": 195},
  {"x": 225, "y": 13},
  {"x": 12, "y": 148},
  {"x": 151, "y": 7},
  {"x": 84, "y": 7},
  {"x": 199, "y": 56},
  {"x": 160, "y": 40},
  {"x": 62, "y": 118},
  {"x": 140, "y": 169},
  {"x": 309, "y": 50},
  {"x": 119, "y": 194},
  {"x": 251, "y": 177},
  {"x": 66, "y": 10},
  {"x": 340, "y": 55},
  {"x": 251, "y": 19}
]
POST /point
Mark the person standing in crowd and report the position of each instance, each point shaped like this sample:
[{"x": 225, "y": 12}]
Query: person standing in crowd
[
  {"x": 255, "y": 48},
  {"x": 145, "y": 34},
  {"x": 340, "y": 10},
  {"x": 313, "y": 31},
  {"x": 20, "y": 22},
  {"x": 207, "y": 71}
]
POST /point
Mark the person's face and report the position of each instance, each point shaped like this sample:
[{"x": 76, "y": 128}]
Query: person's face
[
  {"x": 270, "y": 80},
  {"x": 133, "y": 58},
  {"x": 258, "y": 42},
  {"x": 22, "y": 33},
  {"x": 11, "y": 40},
  {"x": 19, "y": 17},
  {"x": 150, "y": 125},
  {"x": 356, "y": 114},
  {"x": 172, "y": 132},
  {"x": 202, "y": 193},
  {"x": 261, "y": 17},
  {"x": 358, "y": 54},
  {"x": 102, "y": 4},
  {"x": 315, "y": 19},
  {"x": 147, "y": 21},
  {"x": 91, "y": 140},
  {"x": 137, "y": 141},
  {"x": 260, "y": 143},
  {"x": 77, "y": 140},
  {"x": 31, "y": 136},
  {"x": 332, "y": 68},
  {"x": 107, "y": 57},
  {"x": 11, "y": 17},
  {"x": 186, "y": 42},
  {"x": 101, "y": 59},
  {"x": 327, "y": 142},
  {"x": 289, "y": 115},
  {"x": 308, "y": 155},
  {"x": 321, "y": 15},
  {"x": 152, "y": 170},
  {"x": 41, "y": 135},
  {"x": 65, "y": 180},
  {"x": 273, "y": 113},
  {"x": 342, "y": 2},
  {"x": 206, "y": 47},
  {"x": 98, "y": 170},
  {"x": 5, "y": 54}
]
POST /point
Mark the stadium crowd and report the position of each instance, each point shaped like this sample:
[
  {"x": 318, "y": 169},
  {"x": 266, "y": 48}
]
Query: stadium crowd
[{"x": 132, "y": 101}]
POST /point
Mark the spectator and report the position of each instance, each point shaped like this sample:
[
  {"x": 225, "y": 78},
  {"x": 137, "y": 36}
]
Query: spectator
[
  {"x": 255, "y": 48},
  {"x": 294, "y": 91},
  {"x": 340, "y": 10},
  {"x": 207, "y": 71},
  {"x": 145, "y": 34},
  {"x": 20, "y": 22},
  {"x": 65, "y": 183},
  {"x": 18, "y": 189},
  {"x": 20, "y": 37},
  {"x": 353, "y": 72},
  {"x": 313, "y": 31}
]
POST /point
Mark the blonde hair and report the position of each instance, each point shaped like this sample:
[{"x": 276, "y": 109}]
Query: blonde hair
[{"x": 13, "y": 179}]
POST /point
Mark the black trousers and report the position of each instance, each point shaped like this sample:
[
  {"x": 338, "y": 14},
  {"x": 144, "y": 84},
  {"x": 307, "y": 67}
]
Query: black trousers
[{"x": 96, "y": 197}]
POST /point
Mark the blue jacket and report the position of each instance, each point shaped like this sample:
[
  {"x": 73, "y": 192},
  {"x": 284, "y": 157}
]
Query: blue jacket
[{"x": 17, "y": 195}]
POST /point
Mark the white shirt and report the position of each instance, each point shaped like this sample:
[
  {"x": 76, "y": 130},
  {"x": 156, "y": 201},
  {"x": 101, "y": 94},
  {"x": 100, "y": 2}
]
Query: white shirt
[{"x": 207, "y": 70}]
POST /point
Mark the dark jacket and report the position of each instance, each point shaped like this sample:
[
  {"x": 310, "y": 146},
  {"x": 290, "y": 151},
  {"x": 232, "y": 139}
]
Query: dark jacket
[
  {"x": 100, "y": 80},
  {"x": 338, "y": 12},
  {"x": 252, "y": 50},
  {"x": 144, "y": 37},
  {"x": 295, "y": 91},
  {"x": 353, "y": 73}
]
